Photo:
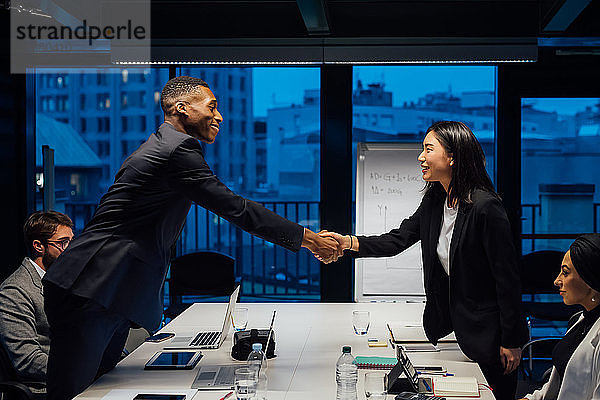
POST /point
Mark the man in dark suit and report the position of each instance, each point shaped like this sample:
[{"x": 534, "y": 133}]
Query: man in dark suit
[
  {"x": 24, "y": 331},
  {"x": 111, "y": 276}
]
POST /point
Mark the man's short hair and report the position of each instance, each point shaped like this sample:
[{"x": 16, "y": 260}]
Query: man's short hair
[
  {"x": 177, "y": 88},
  {"x": 41, "y": 225}
]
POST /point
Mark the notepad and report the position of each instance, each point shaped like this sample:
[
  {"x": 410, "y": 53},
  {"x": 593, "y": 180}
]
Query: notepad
[
  {"x": 455, "y": 386},
  {"x": 375, "y": 362},
  {"x": 404, "y": 332}
]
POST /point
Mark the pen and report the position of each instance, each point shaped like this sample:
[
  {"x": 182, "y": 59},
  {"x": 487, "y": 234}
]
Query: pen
[
  {"x": 226, "y": 396},
  {"x": 427, "y": 385},
  {"x": 391, "y": 333}
]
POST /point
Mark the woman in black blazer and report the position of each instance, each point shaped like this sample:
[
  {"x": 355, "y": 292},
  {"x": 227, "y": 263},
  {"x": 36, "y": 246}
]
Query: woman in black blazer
[{"x": 469, "y": 261}]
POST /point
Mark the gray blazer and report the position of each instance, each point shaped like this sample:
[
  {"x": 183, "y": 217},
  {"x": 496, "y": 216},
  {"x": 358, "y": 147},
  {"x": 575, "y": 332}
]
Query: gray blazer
[{"x": 24, "y": 331}]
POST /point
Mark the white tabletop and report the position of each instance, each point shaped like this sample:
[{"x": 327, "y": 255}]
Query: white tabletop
[{"x": 309, "y": 338}]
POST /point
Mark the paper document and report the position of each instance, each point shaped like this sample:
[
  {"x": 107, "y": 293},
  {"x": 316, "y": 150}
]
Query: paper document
[
  {"x": 457, "y": 386},
  {"x": 402, "y": 333}
]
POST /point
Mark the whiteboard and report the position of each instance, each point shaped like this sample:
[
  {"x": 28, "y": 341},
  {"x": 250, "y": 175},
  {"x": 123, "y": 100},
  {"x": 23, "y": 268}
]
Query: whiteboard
[{"x": 389, "y": 188}]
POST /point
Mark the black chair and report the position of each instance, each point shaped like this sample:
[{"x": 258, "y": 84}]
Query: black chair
[
  {"x": 10, "y": 388},
  {"x": 202, "y": 273},
  {"x": 538, "y": 272},
  {"x": 541, "y": 365}
]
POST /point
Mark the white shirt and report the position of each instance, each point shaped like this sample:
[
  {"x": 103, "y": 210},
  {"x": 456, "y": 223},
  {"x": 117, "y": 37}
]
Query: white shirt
[
  {"x": 443, "y": 246},
  {"x": 37, "y": 267}
]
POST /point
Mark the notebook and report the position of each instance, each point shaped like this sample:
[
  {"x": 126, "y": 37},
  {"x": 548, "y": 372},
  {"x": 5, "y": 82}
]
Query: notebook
[
  {"x": 207, "y": 339},
  {"x": 403, "y": 332},
  {"x": 375, "y": 362},
  {"x": 455, "y": 386}
]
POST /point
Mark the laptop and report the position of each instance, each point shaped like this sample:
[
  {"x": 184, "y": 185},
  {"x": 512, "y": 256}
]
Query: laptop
[
  {"x": 211, "y": 377},
  {"x": 207, "y": 339}
]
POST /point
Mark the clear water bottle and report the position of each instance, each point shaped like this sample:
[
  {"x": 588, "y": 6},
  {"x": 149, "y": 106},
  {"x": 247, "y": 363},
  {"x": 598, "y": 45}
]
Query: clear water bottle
[
  {"x": 257, "y": 362},
  {"x": 346, "y": 375},
  {"x": 256, "y": 358}
]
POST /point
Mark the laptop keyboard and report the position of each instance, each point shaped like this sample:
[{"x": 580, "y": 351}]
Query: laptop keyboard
[
  {"x": 226, "y": 375},
  {"x": 206, "y": 339}
]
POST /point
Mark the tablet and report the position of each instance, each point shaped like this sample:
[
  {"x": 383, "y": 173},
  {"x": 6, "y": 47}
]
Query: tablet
[{"x": 174, "y": 360}]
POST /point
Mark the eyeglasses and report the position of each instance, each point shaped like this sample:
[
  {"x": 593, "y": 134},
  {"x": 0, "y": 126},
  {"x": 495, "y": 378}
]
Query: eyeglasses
[{"x": 60, "y": 244}]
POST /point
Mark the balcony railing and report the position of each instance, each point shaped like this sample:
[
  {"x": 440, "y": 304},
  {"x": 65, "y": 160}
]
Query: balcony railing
[
  {"x": 531, "y": 213},
  {"x": 266, "y": 271}
]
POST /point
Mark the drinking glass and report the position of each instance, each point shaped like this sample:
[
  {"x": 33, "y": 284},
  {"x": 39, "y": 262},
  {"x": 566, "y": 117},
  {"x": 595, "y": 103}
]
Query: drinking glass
[
  {"x": 360, "y": 322},
  {"x": 239, "y": 318},
  {"x": 375, "y": 386},
  {"x": 245, "y": 383}
]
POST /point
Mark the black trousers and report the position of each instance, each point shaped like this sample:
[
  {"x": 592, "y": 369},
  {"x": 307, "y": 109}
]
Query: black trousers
[
  {"x": 86, "y": 341},
  {"x": 505, "y": 386}
]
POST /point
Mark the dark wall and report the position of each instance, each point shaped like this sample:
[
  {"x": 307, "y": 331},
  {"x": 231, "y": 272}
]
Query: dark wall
[{"x": 16, "y": 176}]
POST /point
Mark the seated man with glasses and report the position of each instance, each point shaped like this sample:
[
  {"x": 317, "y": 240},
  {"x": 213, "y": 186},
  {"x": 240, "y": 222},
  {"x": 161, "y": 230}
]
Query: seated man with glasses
[{"x": 24, "y": 332}]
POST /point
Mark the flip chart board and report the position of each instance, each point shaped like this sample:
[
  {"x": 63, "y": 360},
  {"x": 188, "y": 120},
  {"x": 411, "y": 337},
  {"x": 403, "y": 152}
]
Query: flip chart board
[{"x": 389, "y": 188}]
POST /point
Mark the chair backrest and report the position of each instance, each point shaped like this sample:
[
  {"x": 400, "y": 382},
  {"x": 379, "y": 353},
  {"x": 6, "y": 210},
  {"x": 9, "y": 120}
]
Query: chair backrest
[
  {"x": 201, "y": 273},
  {"x": 538, "y": 271}
]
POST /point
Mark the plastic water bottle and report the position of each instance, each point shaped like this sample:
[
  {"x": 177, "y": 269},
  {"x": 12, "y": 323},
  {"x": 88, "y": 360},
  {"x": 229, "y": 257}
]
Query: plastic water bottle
[
  {"x": 257, "y": 361},
  {"x": 346, "y": 375},
  {"x": 256, "y": 358}
]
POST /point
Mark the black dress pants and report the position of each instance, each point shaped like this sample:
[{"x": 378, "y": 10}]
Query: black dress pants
[
  {"x": 504, "y": 386},
  {"x": 86, "y": 341}
]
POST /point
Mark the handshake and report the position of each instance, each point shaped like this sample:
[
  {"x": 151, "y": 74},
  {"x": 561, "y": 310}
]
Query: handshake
[{"x": 327, "y": 246}]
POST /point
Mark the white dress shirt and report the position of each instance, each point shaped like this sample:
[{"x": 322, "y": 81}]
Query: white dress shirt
[
  {"x": 37, "y": 267},
  {"x": 443, "y": 246}
]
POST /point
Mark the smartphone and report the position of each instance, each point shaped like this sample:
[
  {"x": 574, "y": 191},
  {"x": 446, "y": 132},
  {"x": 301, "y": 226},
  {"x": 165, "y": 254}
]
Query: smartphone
[
  {"x": 153, "y": 396},
  {"x": 159, "y": 337}
]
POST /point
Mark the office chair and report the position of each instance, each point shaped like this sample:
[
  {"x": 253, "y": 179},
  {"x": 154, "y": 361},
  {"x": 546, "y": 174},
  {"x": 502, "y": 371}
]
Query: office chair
[
  {"x": 202, "y": 273},
  {"x": 544, "y": 346},
  {"x": 538, "y": 272},
  {"x": 10, "y": 389}
]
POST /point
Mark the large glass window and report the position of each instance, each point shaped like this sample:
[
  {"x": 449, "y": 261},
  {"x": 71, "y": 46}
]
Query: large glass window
[
  {"x": 398, "y": 103},
  {"x": 90, "y": 138},
  {"x": 268, "y": 150},
  {"x": 560, "y": 183}
]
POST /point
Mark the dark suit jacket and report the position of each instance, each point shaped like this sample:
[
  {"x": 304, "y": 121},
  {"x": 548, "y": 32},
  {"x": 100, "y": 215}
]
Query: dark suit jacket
[
  {"x": 121, "y": 258},
  {"x": 481, "y": 300}
]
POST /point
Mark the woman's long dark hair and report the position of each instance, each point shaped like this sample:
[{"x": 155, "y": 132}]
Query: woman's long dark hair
[{"x": 468, "y": 169}]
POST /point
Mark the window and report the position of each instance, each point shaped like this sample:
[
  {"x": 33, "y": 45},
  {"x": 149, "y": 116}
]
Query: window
[
  {"x": 124, "y": 124},
  {"x": 284, "y": 176},
  {"x": 102, "y": 101},
  {"x": 83, "y": 123},
  {"x": 82, "y": 101},
  {"x": 142, "y": 126},
  {"x": 560, "y": 184},
  {"x": 399, "y": 103}
]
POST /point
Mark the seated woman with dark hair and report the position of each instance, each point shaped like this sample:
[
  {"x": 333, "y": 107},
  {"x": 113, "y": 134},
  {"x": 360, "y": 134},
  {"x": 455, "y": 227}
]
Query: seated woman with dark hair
[{"x": 576, "y": 358}]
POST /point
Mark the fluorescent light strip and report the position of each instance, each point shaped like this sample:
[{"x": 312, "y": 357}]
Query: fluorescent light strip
[
  {"x": 319, "y": 62},
  {"x": 432, "y": 61},
  {"x": 217, "y": 62}
]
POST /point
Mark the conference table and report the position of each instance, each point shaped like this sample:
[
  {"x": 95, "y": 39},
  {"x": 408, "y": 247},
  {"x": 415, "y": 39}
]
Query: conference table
[{"x": 309, "y": 339}]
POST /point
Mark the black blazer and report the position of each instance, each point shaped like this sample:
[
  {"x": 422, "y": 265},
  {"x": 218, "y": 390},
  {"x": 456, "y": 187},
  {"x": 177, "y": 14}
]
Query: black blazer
[
  {"x": 121, "y": 258},
  {"x": 481, "y": 300}
]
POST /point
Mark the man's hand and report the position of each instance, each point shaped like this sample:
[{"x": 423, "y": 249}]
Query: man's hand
[
  {"x": 510, "y": 359},
  {"x": 343, "y": 241},
  {"x": 325, "y": 248}
]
